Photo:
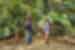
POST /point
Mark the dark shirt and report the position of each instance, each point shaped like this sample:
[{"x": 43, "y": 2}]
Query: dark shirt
[{"x": 28, "y": 26}]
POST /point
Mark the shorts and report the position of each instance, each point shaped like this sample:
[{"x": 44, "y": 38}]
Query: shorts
[{"x": 46, "y": 31}]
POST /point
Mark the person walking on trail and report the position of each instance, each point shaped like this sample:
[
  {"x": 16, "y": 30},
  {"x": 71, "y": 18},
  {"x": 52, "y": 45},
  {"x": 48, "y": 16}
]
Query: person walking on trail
[
  {"x": 28, "y": 29},
  {"x": 46, "y": 30}
]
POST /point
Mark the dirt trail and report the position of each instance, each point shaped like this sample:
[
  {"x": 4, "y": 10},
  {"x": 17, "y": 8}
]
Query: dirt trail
[{"x": 38, "y": 45}]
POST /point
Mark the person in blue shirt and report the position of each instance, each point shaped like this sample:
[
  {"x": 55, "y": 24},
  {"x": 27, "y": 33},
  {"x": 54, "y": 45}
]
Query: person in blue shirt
[{"x": 46, "y": 30}]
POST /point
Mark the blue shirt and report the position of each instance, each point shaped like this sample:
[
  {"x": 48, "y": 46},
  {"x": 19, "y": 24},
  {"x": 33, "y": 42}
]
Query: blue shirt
[{"x": 46, "y": 27}]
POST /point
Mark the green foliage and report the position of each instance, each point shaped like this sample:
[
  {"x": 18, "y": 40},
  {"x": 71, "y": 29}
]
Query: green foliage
[
  {"x": 12, "y": 14},
  {"x": 72, "y": 19}
]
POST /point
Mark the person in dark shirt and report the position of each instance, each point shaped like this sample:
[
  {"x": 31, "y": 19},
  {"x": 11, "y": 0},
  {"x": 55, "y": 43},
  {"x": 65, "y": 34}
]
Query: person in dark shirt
[{"x": 28, "y": 28}]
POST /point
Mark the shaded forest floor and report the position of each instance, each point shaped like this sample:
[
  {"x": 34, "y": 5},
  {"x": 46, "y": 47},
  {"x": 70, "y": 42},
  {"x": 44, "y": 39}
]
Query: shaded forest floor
[{"x": 58, "y": 43}]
